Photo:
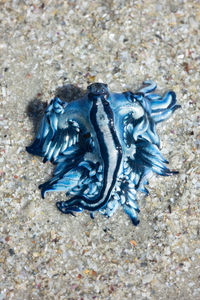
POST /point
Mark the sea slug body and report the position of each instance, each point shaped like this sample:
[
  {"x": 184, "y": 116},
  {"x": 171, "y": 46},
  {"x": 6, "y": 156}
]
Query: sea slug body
[{"x": 105, "y": 147}]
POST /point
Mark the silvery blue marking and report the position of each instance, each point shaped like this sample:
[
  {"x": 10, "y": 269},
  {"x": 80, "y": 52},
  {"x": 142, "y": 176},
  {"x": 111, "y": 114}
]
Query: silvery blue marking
[{"x": 105, "y": 147}]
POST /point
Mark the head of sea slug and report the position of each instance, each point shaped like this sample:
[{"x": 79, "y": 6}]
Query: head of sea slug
[{"x": 98, "y": 89}]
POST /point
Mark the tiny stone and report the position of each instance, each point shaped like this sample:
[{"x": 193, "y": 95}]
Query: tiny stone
[
  {"x": 173, "y": 8},
  {"x": 57, "y": 65},
  {"x": 64, "y": 75},
  {"x": 147, "y": 278},
  {"x": 11, "y": 251}
]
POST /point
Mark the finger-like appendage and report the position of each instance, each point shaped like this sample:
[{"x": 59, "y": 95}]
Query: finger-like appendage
[
  {"x": 164, "y": 115},
  {"x": 132, "y": 213},
  {"x": 149, "y": 87},
  {"x": 67, "y": 209}
]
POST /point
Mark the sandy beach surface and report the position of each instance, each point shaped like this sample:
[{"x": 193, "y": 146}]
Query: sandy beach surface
[{"x": 50, "y": 48}]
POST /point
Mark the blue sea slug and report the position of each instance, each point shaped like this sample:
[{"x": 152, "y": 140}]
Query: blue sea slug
[{"x": 105, "y": 147}]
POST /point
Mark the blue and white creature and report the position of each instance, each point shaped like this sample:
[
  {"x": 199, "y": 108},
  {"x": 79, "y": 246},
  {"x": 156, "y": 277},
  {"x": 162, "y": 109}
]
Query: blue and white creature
[{"x": 104, "y": 146}]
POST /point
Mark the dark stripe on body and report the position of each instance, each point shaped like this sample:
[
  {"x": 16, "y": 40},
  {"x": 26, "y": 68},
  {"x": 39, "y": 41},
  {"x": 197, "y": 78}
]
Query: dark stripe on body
[{"x": 95, "y": 203}]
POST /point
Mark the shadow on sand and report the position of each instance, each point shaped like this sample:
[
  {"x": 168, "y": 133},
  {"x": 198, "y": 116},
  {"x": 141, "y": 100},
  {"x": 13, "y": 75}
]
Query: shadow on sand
[{"x": 36, "y": 108}]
